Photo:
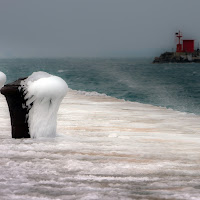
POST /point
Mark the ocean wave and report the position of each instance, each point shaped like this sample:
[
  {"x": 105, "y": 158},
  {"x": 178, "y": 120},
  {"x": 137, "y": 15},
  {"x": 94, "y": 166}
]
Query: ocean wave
[{"x": 93, "y": 93}]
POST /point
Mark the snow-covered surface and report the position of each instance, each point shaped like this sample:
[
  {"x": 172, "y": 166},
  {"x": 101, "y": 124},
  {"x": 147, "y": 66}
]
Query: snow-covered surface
[
  {"x": 106, "y": 149},
  {"x": 44, "y": 93},
  {"x": 2, "y": 79}
]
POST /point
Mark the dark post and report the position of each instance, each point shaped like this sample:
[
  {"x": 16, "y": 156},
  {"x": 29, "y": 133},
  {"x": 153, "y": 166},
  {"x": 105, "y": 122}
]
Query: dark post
[{"x": 15, "y": 101}]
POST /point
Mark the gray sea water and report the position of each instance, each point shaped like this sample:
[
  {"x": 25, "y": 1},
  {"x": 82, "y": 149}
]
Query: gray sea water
[{"x": 175, "y": 86}]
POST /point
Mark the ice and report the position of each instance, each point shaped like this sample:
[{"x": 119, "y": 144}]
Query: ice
[
  {"x": 43, "y": 94},
  {"x": 2, "y": 79},
  {"x": 105, "y": 149}
]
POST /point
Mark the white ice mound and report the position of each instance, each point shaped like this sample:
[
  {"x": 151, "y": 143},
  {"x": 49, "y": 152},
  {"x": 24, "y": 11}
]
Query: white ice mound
[
  {"x": 2, "y": 79},
  {"x": 43, "y": 93}
]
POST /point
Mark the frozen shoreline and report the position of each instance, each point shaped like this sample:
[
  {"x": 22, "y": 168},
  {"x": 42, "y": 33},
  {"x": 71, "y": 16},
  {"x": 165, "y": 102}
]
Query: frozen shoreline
[{"x": 106, "y": 149}]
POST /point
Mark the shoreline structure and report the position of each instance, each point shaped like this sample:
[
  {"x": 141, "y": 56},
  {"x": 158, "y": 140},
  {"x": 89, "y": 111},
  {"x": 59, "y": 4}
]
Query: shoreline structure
[{"x": 185, "y": 52}]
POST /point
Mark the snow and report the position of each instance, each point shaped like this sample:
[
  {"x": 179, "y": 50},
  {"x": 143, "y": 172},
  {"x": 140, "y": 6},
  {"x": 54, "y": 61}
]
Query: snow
[
  {"x": 2, "y": 79},
  {"x": 43, "y": 94},
  {"x": 105, "y": 149}
]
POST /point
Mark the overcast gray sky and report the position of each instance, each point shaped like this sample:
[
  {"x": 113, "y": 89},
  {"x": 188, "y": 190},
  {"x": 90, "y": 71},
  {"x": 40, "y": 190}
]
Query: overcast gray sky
[{"x": 94, "y": 28}]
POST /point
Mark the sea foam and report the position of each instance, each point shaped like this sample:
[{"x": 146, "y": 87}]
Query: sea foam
[{"x": 43, "y": 94}]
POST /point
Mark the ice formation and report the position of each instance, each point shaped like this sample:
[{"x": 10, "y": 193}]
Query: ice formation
[
  {"x": 43, "y": 94},
  {"x": 109, "y": 149},
  {"x": 2, "y": 79}
]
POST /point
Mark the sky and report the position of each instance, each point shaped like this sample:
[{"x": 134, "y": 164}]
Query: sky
[{"x": 95, "y": 28}]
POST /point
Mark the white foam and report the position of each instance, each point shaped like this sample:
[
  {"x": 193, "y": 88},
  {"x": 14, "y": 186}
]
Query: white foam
[
  {"x": 61, "y": 70},
  {"x": 43, "y": 94},
  {"x": 2, "y": 79},
  {"x": 93, "y": 93}
]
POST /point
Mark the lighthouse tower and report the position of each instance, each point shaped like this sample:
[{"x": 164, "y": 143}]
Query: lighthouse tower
[{"x": 179, "y": 45}]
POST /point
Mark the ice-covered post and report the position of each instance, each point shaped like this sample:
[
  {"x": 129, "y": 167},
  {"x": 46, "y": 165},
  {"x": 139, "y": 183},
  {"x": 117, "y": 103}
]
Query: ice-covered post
[
  {"x": 42, "y": 94},
  {"x": 18, "y": 113},
  {"x": 2, "y": 79}
]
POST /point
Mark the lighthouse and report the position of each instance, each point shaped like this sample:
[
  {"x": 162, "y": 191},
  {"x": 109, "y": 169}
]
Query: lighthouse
[
  {"x": 184, "y": 52},
  {"x": 186, "y": 47}
]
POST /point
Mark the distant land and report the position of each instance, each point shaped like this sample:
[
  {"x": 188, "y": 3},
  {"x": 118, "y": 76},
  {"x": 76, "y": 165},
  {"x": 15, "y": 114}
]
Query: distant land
[{"x": 185, "y": 52}]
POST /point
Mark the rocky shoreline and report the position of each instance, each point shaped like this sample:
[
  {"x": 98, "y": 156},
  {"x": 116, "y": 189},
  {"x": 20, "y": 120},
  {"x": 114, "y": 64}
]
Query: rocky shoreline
[{"x": 174, "y": 57}]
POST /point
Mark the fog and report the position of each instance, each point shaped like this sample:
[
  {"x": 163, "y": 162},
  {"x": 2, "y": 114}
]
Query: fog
[{"x": 94, "y": 28}]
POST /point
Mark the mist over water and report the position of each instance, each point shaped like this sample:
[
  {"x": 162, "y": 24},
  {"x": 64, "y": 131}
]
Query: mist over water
[{"x": 175, "y": 86}]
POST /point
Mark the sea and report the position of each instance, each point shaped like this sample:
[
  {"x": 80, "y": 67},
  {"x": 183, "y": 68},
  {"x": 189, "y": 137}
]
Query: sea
[
  {"x": 127, "y": 129},
  {"x": 170, "y": 85}
]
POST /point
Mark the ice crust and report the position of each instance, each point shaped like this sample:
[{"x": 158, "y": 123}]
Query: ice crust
[
  {"x": 43, "y": 93},
  {"x": 105, "y": 149},
  {"x": 2, "y": 79}
]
